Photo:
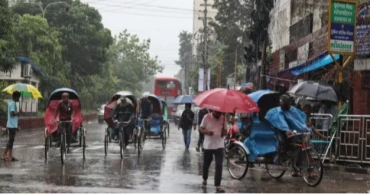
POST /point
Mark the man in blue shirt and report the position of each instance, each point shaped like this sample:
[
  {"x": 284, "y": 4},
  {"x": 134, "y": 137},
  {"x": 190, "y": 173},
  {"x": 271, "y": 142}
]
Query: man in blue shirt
[{"x": 12, "y": 125}]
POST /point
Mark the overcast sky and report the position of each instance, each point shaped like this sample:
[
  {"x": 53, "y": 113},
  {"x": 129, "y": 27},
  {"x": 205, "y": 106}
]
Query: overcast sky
[{"x": 159, "y": 20}]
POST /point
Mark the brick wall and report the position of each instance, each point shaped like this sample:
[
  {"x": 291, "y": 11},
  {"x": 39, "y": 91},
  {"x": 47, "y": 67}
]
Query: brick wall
[
  {"x": 361, "y": 99},
  {"x": 38, "y": 122}
]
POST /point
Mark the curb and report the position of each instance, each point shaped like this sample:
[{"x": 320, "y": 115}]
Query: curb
[{"x": 347, "y": 169}]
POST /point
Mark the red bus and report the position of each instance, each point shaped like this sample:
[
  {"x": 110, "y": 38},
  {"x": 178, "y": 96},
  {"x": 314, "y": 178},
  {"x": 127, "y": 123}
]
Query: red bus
[{"x": 167, "y": 88}]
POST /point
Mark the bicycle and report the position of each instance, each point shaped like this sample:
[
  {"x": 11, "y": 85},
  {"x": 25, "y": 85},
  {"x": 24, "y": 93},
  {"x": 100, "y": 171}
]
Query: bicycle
[
  {"x": 122, "y": 128},
  {"x": 301, "y": 158},
  {"x": 63, "y": 148}
]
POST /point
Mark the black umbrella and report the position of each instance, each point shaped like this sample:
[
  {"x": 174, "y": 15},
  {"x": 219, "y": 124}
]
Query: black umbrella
[{"x": 315, "y": 90}]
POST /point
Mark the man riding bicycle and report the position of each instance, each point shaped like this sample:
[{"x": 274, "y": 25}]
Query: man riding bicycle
[
  {"x": 124, "y": 112},
  {"x": 65, "y": 111},
  {"x": 286, "y": 119},
  {"x": 146, "y": 109}
]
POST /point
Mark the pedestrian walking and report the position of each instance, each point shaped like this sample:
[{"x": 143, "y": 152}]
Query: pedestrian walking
[
  {"x": 186, "y": 123},
  {"x": 12, "y": 125},
  {"x": 199, "y": 118},
  {"x": 214, "y": 126}
]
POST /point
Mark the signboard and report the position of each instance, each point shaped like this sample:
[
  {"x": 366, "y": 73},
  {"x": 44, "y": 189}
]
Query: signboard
[
  {"x": 363, "y": 31},
  {"x": 342, "y": 20},
  {"x": 201, "y": 79}
]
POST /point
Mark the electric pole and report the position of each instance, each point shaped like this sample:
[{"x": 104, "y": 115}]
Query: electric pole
[{"x": 205, "y": 45}]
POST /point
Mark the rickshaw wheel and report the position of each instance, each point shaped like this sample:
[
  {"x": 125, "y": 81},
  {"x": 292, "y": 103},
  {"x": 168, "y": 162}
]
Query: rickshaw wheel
[
  {"x": 121, "y": 143},
  {"x": 278, "y": 175},
  {"x": 80, "y": 138},
  {"x": 84, "y": 147},
  {"x": 134, "y": 136},
  {"x": 168, "y": 129},
  {"x": 242, "y": 162},
  {"x": 47, "y": 145},
  {"x": 106, "y": 140},
  {"x": 63, "y": 148},
  {"x": 164, "y": 138},
  {"x": 306, "y": 165}
]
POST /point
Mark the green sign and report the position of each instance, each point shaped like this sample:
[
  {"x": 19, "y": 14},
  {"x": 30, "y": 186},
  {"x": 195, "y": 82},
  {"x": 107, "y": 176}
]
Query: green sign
[
  {"x": 342, "y": 12},
  {"x": 342, "y": 26}
]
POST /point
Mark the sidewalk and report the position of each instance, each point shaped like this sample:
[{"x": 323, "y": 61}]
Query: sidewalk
[{"x": 346, "y": 168}]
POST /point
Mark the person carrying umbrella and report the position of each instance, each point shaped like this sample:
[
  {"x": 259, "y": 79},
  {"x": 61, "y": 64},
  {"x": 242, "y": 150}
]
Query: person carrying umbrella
[
  {"x": 12, "y": 125},
  {"x": 186, "y": 123}
]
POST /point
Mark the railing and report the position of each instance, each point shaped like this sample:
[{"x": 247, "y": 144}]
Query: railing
[
  {"x": 352, "y": 139},
  {"x": 321, "y": 123}
]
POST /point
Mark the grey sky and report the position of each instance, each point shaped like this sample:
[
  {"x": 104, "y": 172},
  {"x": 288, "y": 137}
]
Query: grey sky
[{"x": 152, "y": 19}]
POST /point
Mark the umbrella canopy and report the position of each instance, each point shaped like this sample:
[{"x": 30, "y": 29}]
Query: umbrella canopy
[
  {"x": 315, "y": 90},
  {"x": 183, "y": 99},
  {"x": 265, "y": 99},
  {"x": 224, "y": 100},
  {"x": 27, "y": 90}
]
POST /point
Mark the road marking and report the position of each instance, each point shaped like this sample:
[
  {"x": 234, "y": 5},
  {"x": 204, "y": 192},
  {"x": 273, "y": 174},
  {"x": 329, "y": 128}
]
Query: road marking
[
  {"x": 94, "y": 147},
  {"x": 38, "y": 147}
]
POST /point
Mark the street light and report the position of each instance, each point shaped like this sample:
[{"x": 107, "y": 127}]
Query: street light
[{"x": 43, "y": 10}]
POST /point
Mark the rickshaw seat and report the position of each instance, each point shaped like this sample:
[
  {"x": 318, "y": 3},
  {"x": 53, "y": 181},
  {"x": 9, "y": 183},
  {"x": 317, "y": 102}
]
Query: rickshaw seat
[{"x": 50, "y": 111}]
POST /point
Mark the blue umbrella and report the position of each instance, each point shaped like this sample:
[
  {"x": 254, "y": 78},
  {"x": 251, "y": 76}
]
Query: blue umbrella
[
  {"x": 257, "y": 95},
  {"x": 265, "y": 98},
  {"x": 183, "y": 99}
]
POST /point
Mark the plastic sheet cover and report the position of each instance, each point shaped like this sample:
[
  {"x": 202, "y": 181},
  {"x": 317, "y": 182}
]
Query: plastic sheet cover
[{"x": 294, "y": 119}]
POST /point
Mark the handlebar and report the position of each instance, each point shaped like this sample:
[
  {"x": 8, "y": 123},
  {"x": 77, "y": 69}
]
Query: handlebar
[
  {"x": 123, "y": 122},
  {"x": 59, "y": 122},
  {"x": 295, "y": 134}
]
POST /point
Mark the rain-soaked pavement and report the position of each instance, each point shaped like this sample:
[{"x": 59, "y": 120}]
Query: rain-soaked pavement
[{"x": 156, "y": 170}]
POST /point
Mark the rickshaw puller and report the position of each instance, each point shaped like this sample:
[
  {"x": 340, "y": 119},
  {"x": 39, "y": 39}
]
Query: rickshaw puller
[
  {"x": 124, "y": 112},
  {"x": 65, "y": 111},
  {"x": 146, "y": 110}
]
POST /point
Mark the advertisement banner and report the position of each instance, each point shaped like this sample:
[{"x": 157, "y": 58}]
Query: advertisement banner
[{"x": 201, "y": 80}]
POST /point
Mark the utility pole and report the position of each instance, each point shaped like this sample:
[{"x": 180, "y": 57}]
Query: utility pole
[{"x": 205, "y": 45}]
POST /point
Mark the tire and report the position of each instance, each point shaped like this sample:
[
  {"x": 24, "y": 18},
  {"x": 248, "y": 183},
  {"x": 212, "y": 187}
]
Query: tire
[
  {"x": 106, "y": 140},
  {"x": 236, "y": 150},
  {"x": 84, "y": 147},
  {"x": 314, "y": 156},
  {"x": 47, "y": 145},
  {"x": 121, "y": 144},
  {"x": 63, "y": 148},
  {"x": 134, "y": 136},
  {"x": 164, "y": 138},
  {"x": 168, "y": 130},
  {"x": 81, "y": 134},
  {"x": 278, "y": 175}
]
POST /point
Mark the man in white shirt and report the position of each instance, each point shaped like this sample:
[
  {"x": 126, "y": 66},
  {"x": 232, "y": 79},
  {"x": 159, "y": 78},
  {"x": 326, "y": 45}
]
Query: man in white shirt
[{"x": 214, "y": 127}]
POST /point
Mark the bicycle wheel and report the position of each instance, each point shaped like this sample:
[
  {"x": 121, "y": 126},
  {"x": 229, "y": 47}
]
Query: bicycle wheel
[
  {"x": 47, "y": 145},
  {"x": 106, "y": 141},
  {"x": 121, "y": 143},
  {"x": 237, "y": 162},
  {"x": 83, "y": 146},
  {"x": 80, "y": 136},
  {"x": 275, "y": 171},
  {"x": 164, "y": 138},
  {"x": 62, "y": 147},
  {"x": 168, "y": 129},
  {"x": 311, "y": 167}
]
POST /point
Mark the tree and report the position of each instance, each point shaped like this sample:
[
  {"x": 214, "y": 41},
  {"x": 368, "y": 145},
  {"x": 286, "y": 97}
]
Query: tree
[
  {"x": 185, "y": 50},
  {"x": 131, "y": 62},
  {"x": 233, "y": 21},
  {"x": 84, "y": 39},
  {"x": 39, "y": 42},
  {"x": 8, "y": 50}
]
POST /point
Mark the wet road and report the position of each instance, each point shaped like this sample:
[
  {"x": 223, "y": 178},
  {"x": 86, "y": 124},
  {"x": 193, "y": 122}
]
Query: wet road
[{"x": 156, "y": 170}]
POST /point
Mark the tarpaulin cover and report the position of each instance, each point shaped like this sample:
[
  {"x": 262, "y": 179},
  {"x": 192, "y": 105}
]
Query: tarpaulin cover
[
  {"x": 155, "y": 123},
  {"x": 262, "y": 139},
  {"x": 293, "y": 119},
  {"x": 50, "y": 111}
]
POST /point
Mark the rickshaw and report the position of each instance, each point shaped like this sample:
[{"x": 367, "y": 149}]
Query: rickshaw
[
  {"x": 108, "y": 117},
  {"x": 165, "y": 122},
  {"x": 51, "y": 130},
  {"x": 261, "y": 146},
  {"x": 155, "y": 124}
]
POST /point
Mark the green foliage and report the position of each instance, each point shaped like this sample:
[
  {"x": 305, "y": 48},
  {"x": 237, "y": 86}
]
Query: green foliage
[
  {"x": 7, "y": 47},
  {"x": 131, "y": 62},
  {"x": 39, "y": 42},
  {"x": 3, "y": 96},
  {"x": 185, "y": 50}
]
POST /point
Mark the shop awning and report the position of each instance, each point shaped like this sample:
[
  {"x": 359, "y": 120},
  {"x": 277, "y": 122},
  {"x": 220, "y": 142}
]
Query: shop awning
[{"x": 317, "y": 63}]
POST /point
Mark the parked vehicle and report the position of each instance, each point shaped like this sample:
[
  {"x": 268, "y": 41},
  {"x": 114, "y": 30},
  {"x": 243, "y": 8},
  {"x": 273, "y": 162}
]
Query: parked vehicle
[{"x": 101, "y": 113}]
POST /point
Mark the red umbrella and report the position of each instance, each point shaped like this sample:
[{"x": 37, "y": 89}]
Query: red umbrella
[{"x": 224, "y": 100}]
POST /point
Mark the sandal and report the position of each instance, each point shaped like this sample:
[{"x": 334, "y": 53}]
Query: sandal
[
  {"x": 13, "y": 160},
  {"x": 204, "y": 184},
  {"x": 220, "y": 190},
  {"x": 4, "y": 158}
]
